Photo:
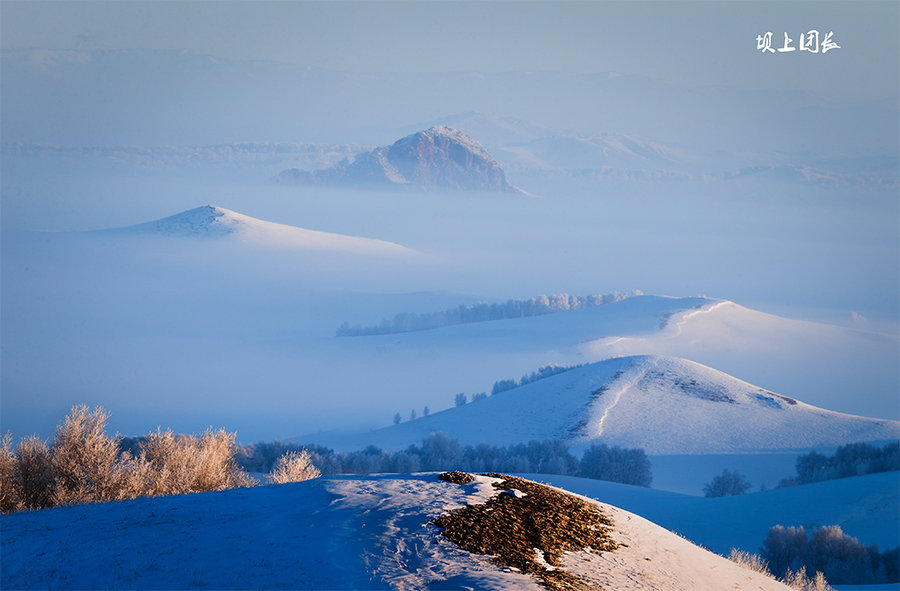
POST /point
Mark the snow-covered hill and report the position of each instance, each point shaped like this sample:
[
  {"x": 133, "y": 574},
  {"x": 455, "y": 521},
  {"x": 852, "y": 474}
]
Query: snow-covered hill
[
  {"x": 210, "y": 221},
  {"x": 865, "y": 507},
  {"x": 663, "y": 405},
  {"x": 370, "y": 532},
  {"x": 439, "y": 157}
]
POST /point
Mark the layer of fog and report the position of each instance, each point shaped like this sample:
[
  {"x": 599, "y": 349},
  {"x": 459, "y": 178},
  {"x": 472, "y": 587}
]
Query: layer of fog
[{"x": 186, "y": 334}]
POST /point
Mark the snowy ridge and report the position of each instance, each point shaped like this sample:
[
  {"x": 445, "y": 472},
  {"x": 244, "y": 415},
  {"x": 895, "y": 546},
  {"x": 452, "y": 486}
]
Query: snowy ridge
[
  {"x": 663, "y": 405},
  {"x": 865, "y": 507},
  {"x": 357, "y": 532},
  {"x": 210, "y": 221}
]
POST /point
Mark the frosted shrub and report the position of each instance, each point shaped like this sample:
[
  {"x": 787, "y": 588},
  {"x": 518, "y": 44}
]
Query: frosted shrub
[
  {"x": 751, "y": 561},
  {"x": 178, "y": 464},
  {"x": 10, "y": 489},
  {"x": 294, "y": 466},
  {"x": 84, "y": 458},
  {"x": 796, "y": 580},
  {"x": 84, "y": 465},
  {"x": 799, "y": 580},
  {"x": 216, "y": 468},
  {"x": 34, "y": 474}
]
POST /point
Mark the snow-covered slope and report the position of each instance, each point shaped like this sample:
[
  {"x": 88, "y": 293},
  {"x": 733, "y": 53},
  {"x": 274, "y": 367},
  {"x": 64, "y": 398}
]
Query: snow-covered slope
[
  {"x": 865, "y": 507},
  {"x": 210, "y": 221},
  {"x": 849, "y": 369},
  {"x": 361, "y": 532},
  {"x": 439, "y": 157},
  {"x": 664, "y": 405}
]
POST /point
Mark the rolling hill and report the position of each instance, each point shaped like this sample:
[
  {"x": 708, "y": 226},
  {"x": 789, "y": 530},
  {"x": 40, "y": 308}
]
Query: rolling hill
[
  {"x": 663, "y": 405},
  {"x": 371, "y": 532}
]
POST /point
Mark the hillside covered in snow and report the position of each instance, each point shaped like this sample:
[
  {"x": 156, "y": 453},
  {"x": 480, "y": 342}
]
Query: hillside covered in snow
[
  {"x": 372, "y": 532},
  {"x": 663, "y": 405},
  {"x": 211, "y": 221}
]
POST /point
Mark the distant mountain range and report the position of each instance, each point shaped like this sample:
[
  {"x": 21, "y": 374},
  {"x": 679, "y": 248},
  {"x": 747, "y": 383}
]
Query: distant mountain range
[
  {"x": 475, "y": 150},
  {"x": 663, "y": 405},
  {"x": 524, "y": 147},
  {"x": 437, "y": 158}
]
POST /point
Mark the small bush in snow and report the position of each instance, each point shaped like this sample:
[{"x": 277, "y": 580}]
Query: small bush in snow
[
  {"x": 10, "y": 493},
  {"x": 796, "y": 580},
  {"x": 178, "y": 464},
  {"x": 26, "y": 475},
  {"x": 751, "y": 561},
  {"x": 799, "y": 580},
  {"x": 84, "y": 459},
  {"x": 726, "y": 484},
  {"x": 294, "y": 466}
]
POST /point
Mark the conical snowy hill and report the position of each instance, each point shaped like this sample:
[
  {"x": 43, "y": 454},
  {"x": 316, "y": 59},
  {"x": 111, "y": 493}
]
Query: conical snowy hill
[
  {"x": 664, "y": 405},
  {"x": 210, "y": 221}
]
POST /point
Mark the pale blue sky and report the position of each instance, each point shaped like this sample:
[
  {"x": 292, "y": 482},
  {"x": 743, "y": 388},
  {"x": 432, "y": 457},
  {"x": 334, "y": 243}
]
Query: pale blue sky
[{"x": 699, "y": 43}]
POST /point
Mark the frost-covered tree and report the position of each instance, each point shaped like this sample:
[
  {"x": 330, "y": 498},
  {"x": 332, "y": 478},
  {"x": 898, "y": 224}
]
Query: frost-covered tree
[
  {"x": 412, "y": 415},
  {"x": 460, "y": 399},
  {"x": 791, "y": 551},
  {"x": 503, "y": 386},
  {"x": 854, "y": 459},
  {"x": 726, "y": 484},
  {"x": 479, "y": 396},
  {"x": 426, "y": 411},
  {"x": 616, "y": 464},
  {"x": 397, "y": 419},
  {"x": 440, "y": 452}
]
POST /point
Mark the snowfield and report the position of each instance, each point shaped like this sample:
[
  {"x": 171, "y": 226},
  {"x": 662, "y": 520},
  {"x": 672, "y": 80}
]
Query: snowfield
[
  {"x": 663, "y": 405},
  {"x": 359, "y": 532}
]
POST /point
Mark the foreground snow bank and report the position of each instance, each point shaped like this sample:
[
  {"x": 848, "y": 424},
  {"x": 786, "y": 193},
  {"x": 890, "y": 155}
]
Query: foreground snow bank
[{"x": 360, "y": 532}]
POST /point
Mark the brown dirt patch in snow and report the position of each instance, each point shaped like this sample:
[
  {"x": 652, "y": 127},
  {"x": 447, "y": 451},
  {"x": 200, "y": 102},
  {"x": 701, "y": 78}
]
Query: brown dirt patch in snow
[
  {"x": 456, "y": 477},
  {"x": 514, "y": 527}
]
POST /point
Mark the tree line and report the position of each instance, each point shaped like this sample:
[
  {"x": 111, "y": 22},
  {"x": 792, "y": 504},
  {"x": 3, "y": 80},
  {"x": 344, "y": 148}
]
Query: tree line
[
  {"x": 439, "y": 451},
  {"x": 853, "y": 459},
  {"x": 483, "y": 312},
  {"x": 843, "y": 559}
]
